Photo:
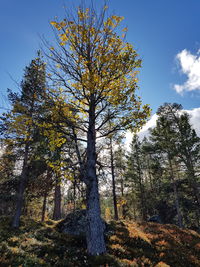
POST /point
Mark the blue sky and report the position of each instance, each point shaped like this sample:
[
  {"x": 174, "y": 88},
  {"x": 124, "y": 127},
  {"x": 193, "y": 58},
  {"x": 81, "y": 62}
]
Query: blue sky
[{"x": 166, "y": 35}]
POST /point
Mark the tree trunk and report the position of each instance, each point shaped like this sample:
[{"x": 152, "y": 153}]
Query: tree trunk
[
  {"x": 196, "y": 196},
  {"x": 95, "y": 229},
  {"x": 57, "y": 202},
  {"x": 193, "y": 183},
  {"x": 143, "y": 201},
  {"x": 113, "y": 182},
  {"x": 21, "y": 190},
  {"x": 123, "y": 212},
  {"x": 180, "y": 222},
  {"x": 141, "y": 187},
  {"x": 44, "y": 207},
  {"x": 176, "y": 197},
  {"x": 74, "y": 195}
]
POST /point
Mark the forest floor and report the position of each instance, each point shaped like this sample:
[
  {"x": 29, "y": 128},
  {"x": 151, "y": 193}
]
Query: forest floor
[{"x": 128, "y": 244}]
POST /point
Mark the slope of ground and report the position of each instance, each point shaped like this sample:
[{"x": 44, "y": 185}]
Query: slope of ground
[{"x": 129, "y": 244}]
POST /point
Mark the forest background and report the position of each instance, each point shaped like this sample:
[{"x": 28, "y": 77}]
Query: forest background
[{"x": 44, "y": 162}]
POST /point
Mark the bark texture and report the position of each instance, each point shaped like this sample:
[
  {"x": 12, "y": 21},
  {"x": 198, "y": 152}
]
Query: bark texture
[
  {"x": 57, "y": 202},
  {"x": 95, "y": 229}
]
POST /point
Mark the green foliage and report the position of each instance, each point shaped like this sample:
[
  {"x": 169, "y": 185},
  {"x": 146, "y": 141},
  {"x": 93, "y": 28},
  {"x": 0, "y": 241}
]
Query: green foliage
[
  {"x": 19, "y": 125},
  {"x": 162, "y": 172}
]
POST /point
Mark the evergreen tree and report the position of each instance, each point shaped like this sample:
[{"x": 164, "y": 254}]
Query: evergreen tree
[
  {"x": 186, "y": 146},
  {"x": 120, "y": 167},
  {"x": 152, "y": 166},
  {"x": 20, "y": 124},
  {"x": 8, "y": 179},
  {"x": 164, "y": 137},
  {"x": 135, "y": 174}
]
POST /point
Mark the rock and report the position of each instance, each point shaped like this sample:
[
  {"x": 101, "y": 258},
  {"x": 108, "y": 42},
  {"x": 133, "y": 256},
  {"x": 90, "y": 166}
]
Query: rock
[
  {"x": 75, "y": 224},
  {"x": 155, "y": 218}
]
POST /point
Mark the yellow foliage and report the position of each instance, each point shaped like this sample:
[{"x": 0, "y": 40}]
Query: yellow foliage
[
  {"x": 83, "y": 15},
  {"x": 107, "y": 214},
  {"x": 118, "y": 247},
  {"x": 53, "y": 23},
  {"x": 15, "y": 250},
  {"x": 103, "y": 65},
  {"x": 83, "y": 206},
  {"x": 136, "y": 232},
  {"x": 63, "y": 24},
  {"x": 63, "y": 37},
  {"x": 162, "y": 264}
]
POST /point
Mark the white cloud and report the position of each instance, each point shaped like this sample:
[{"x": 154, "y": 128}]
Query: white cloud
[
  {"x": 129, "y": 137},
  {"x": 190, "y": 66},
  {"x": 143, "y": 132},
  {"x": 194, "y": 120},
  {"x": 150, "y": 124}
]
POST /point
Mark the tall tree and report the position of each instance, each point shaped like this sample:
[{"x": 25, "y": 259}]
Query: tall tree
[
  {"x": 164, "y": 136},
  {"x": 97, "y": 71},
  {"x": 135, "y": 172},
  {"x": 20, "y": 124},
  {"x": 120, "y": 165},
  {"x": 186, "y": 145},
  {"x": 152, "y": 167},
  {"x": 8, "y": 180}
]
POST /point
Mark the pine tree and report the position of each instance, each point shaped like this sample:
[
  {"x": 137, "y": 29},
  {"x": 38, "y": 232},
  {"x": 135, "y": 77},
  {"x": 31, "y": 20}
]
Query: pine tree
[
  {"x": 8, "y": 179},
  {"x": 186, "y": 146},
  {"x": 20, "y": 124},
  {"x": 164, "y": 136},
  {"x": 135, "y": 174}
]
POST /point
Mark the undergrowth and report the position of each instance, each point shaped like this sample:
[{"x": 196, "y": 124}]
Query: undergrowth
[{"x": 128, "y": 244}]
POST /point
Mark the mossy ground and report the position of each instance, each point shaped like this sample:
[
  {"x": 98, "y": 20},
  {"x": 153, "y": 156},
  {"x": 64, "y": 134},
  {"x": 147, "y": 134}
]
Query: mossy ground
[{"x": 128, "y": 244}]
